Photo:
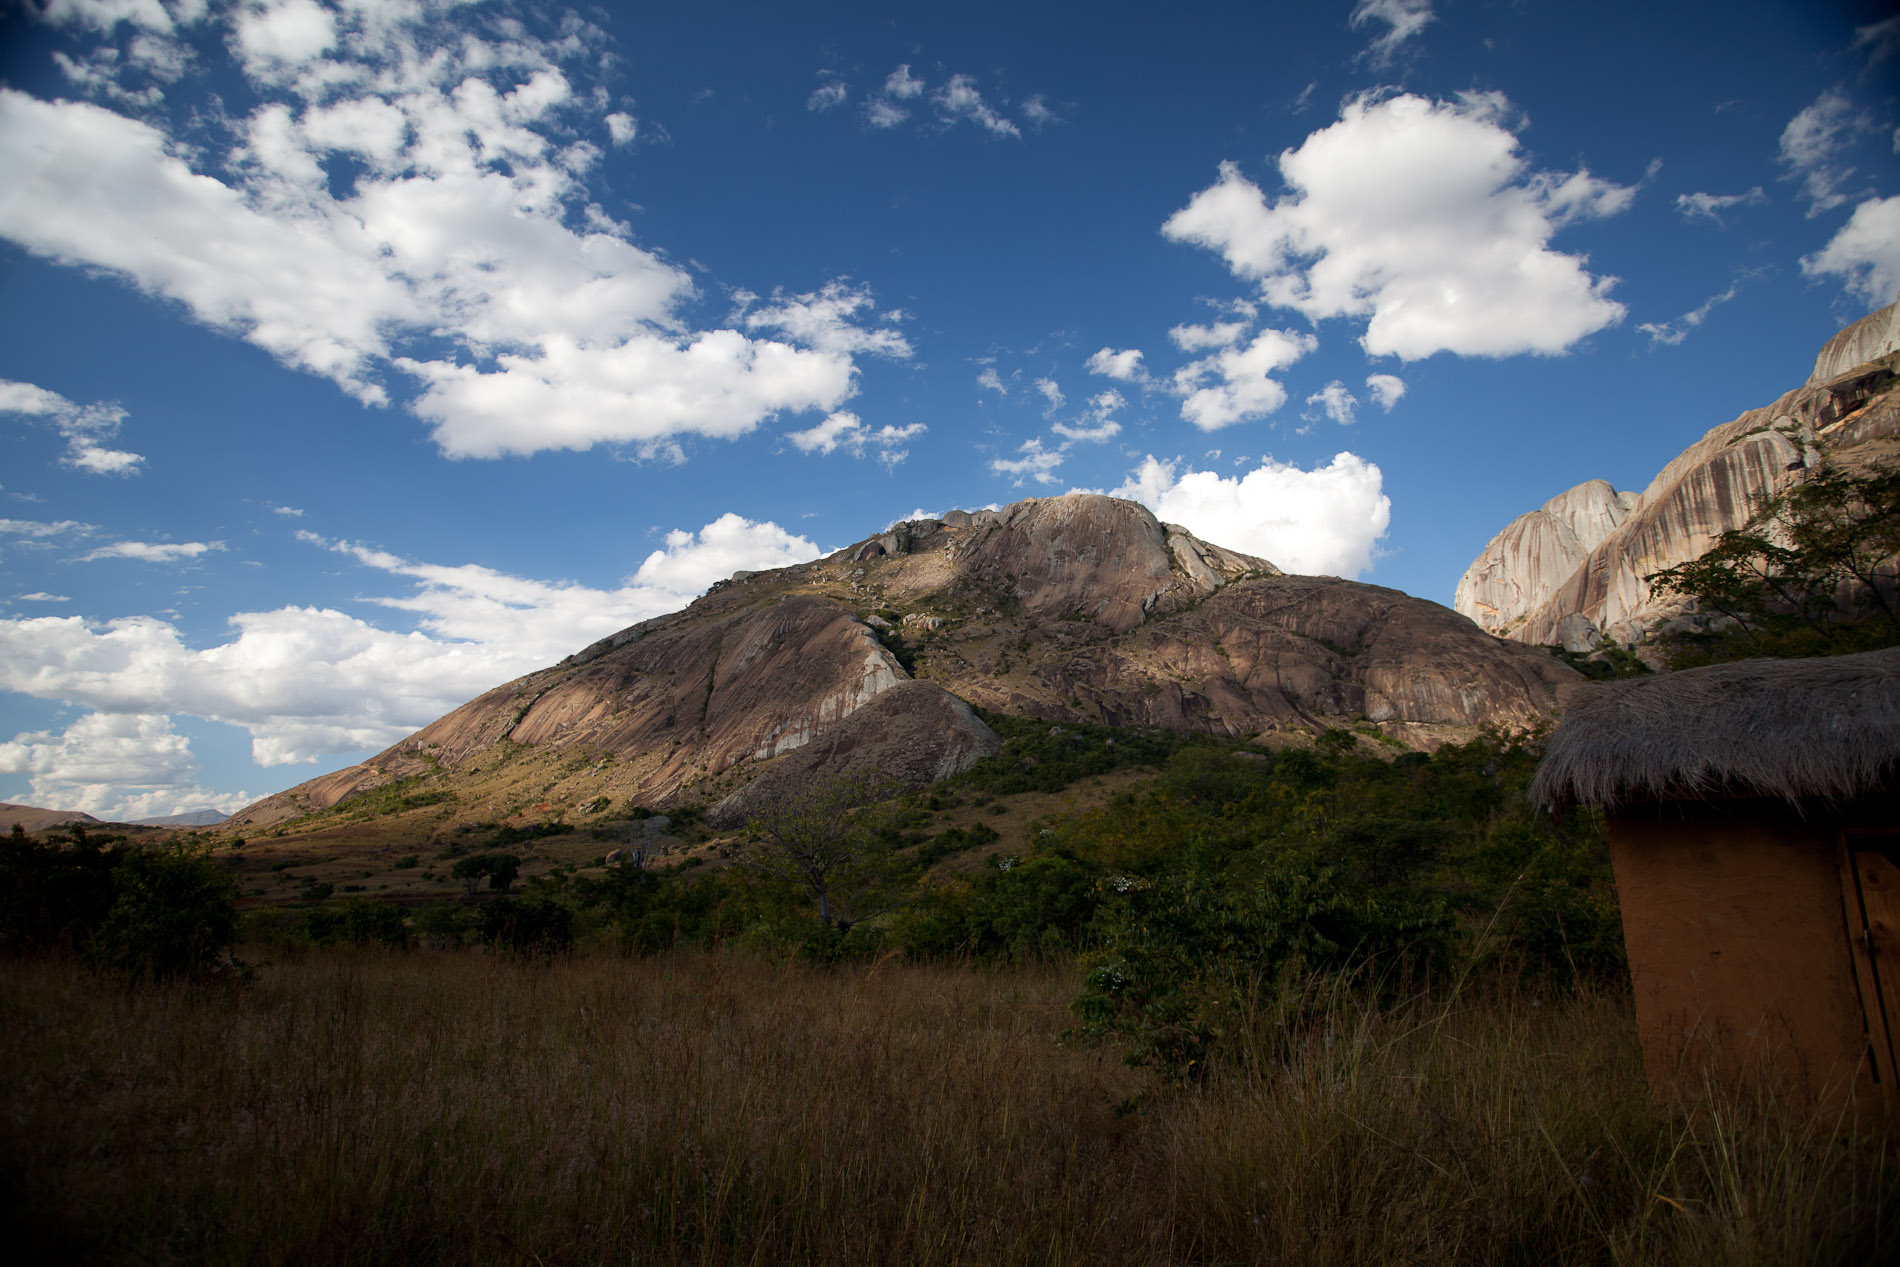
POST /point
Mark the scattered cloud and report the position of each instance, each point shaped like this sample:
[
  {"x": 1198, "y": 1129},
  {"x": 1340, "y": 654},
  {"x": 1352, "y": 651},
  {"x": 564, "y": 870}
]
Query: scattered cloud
[
  {"x": 1386, "y": 389},
  {"x": 39, "y": 596},
  {"x": 41, "y": 530},
  {"x": 1220, "y": 334},
  {"x": 1124, "y": 365},
  {"x": 1881, "y": 40},
  {"x": 828, "y": 95},
  {"x": 1321, "y": 522},
  {"x": 289, "y": 512},
  {"x": 85, "y": 428},
  {"x": 1700, "y": 206},
  {"x": 1670, "y": 333},
  {"x": 901, "y": 85},
  {"x": 154, "y": 551},
  {"x": 1814, "y": 146},
  {"x": 1052, "y": 394},
  {"x": 1865, "y": 253},
  {"x": 1037, "y": 114},
  {"x": 1422, "y": 217},
  {"x": 825, "y": 319},
  {"x": 959, "y": 99},
  {"x": 1333, "y": 401},
  {"x": 1404, "y": 20},
  {"x": 1235, "y": 384},
  {"x": 845, "y": 430},
  {"x": 990, "y": 379},
  {"x": 1097, "y": 423},
  {"x": 462, "y": 265},
  {"x": 306, "y": 681},
  {"x": 1035, "y": 463}
]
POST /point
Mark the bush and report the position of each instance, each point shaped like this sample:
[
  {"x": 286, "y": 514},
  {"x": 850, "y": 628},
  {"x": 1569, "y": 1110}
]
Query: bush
[
  {"x": 530, "y": 926},
  {"x": 359, "y": 922},
  {"x": 174, "y": 914},
  {"x": 53, "y": 897}
]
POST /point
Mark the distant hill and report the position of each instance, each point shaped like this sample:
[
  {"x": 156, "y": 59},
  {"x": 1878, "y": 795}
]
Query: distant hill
[
  {"x": 33, "y": 818},
  {"x": 193, "y": 818},
  {"x": 1080, "y": 608}
]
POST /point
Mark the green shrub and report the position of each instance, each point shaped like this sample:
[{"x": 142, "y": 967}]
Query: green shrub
[
  {"x": 526, "y": 926},
  {"x": 174, "y": 914}
]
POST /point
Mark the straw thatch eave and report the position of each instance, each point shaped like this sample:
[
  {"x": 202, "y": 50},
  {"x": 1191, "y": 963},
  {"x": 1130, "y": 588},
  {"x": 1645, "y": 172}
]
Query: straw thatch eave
[{"x": 1795, "y": 729}]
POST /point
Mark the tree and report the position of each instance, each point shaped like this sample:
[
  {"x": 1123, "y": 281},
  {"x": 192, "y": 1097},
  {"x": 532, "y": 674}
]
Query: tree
[
  {"x": 821, "y": 835},
  {"x": 500, "y": 869},
  {"x": 1812, "y": 573}
]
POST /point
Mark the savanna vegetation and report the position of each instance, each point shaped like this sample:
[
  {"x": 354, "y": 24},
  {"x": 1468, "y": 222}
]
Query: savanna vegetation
[{"x": 1326, "y": 1005}]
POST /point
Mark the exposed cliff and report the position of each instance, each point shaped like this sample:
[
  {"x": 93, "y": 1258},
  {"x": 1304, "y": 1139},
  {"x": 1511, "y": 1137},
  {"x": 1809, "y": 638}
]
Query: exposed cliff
[
  {"x": 1070, "y": 608},
  {"x": 1847, "y": 412}
]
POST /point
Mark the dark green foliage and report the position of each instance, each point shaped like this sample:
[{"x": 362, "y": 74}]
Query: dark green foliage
[
  {"x": 537, "y": 926},
  {"x": 358, "y": 922},
  {"x": 168, "y": 911},
  {"x": 532, "y": 831},
  {"x": 1810, "y": 574},
  {"x": 53, "y": 896},
  {"x": 499, "y": 869},
  {"x": 1606, "y": 662},
  {"x": 955, "y": 841},
  {"x": 174, "y": 914},
  {"x": 1041, "y": 756}
]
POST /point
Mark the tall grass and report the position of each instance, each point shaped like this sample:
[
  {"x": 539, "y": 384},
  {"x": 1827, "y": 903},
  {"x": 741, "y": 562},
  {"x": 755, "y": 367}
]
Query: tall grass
[{"x": 366, "y": 1106}]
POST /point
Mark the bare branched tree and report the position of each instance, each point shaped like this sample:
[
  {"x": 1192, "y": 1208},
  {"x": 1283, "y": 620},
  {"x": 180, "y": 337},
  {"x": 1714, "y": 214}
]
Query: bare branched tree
[{"x": 819, "y": 834}]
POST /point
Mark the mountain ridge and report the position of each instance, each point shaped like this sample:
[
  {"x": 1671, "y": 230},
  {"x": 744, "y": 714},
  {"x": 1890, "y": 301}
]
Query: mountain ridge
[{"x": 1074, "y": 608}]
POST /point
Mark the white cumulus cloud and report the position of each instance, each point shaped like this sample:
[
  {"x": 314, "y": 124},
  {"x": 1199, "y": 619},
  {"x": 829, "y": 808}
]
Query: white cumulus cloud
[
  {"x": 1386, "y": 389},
  {"x": 464, "y": 267},
  {"x": 1235, "y": 384},
  {"x": 1422, "y": 217},
  {"x": 1865, "y": 254},
  {"x": 1334, "y": 401},
  {"x": 113, "y": 766},
  {"x": 1124, "y": 364},
  {"x": 1321, "y": 522},
  {"x": 306, "y": 681}
]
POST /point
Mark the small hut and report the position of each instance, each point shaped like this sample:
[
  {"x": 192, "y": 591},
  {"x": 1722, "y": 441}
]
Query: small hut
[{"x": 1755, "y": 832}]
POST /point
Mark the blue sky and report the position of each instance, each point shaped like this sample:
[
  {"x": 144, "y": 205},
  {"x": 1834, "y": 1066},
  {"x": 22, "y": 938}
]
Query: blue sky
[{"x": 356, "y": 357}]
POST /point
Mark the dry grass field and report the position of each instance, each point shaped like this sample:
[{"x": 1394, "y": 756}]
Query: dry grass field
[{"x": 366, "y": 1106}]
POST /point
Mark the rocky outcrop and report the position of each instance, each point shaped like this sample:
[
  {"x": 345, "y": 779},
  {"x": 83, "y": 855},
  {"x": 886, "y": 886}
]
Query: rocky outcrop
[
  {"x": 1849, "y": 416},
  {"x": 1523, "y": 565},
  {"x": 1872, "y": 337},
  {"x": 1069, "y": 608}
]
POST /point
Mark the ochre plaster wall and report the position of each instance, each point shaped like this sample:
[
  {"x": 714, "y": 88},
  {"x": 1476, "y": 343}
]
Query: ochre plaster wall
[{"x": 1738, "y": 948}]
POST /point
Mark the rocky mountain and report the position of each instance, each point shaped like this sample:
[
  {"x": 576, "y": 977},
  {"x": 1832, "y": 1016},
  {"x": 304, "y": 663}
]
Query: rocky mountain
[
  {"x": 1572, "y": 572},
  {"x": 1070, "y": 608}
]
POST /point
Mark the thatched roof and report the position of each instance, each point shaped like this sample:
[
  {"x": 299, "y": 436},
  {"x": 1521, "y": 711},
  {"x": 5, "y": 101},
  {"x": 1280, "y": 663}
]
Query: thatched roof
[{"x": 1826, "y": 728}]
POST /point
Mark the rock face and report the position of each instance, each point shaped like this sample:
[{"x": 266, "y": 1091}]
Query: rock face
[
  {"x": 1523, "y": 565},
  {"x": 1522, "y": 588},
  {"x": 1070, "y": 608}
]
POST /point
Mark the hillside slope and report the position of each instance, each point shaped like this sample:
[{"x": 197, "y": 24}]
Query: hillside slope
[{"x": 1070, "y": 608}]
